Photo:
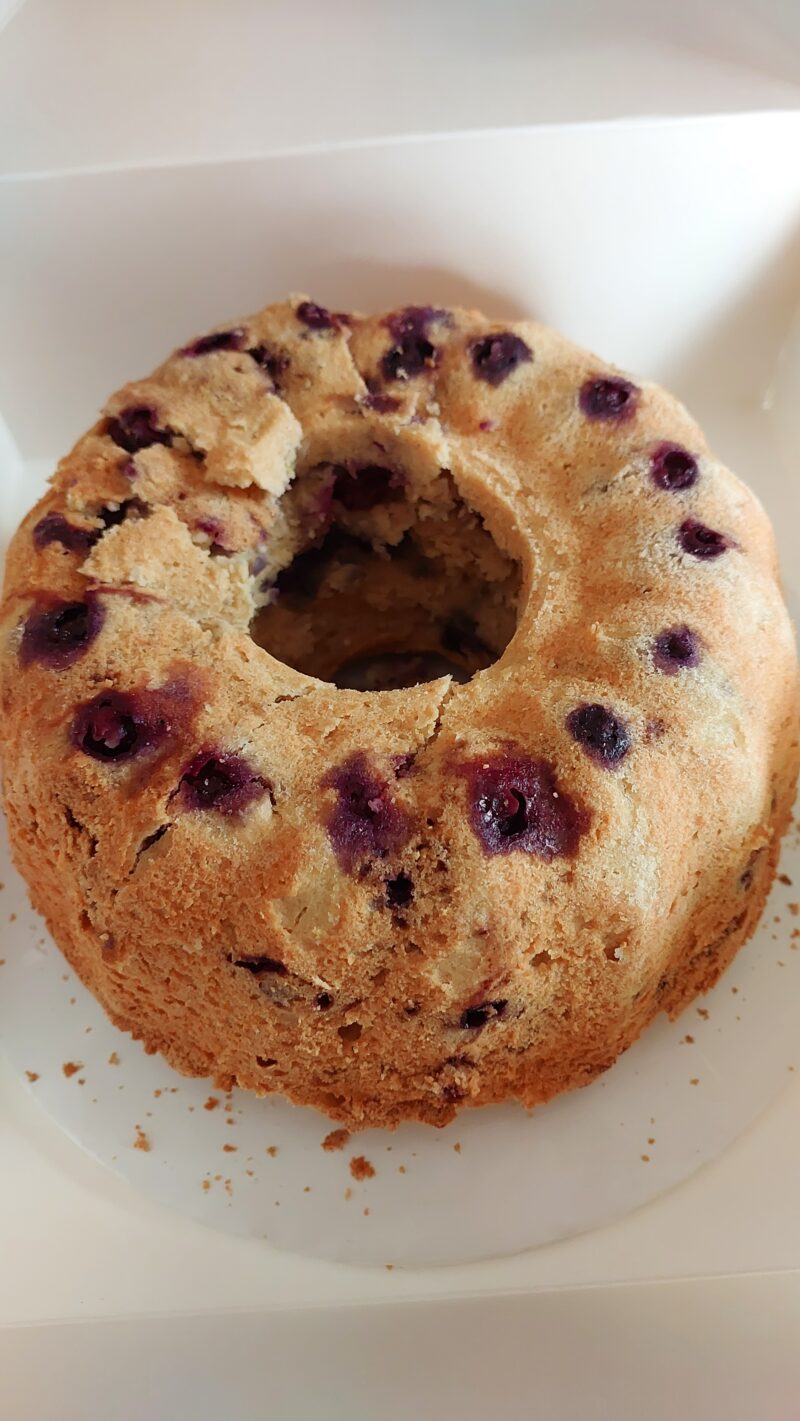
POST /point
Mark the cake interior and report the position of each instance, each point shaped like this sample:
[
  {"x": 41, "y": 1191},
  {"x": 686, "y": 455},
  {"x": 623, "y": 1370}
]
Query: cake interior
[{"x": 376, "y": 585}]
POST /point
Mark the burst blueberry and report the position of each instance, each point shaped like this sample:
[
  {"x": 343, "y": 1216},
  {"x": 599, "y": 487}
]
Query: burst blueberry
[
  {"x": 673, "y": 468},
  {"x": 609, "y": 397},
  {"x": 137, "y": 428},
  {"x": 218, "y": 340},
  {"x": 218, "y": 781},
  {"x": 700, "y": 541},
  {"x": 118, "y": 725},
  {"x": 516, "y": 805},
  {"x": 60, "y": 634},
  {"x": 601, "y": 733},
  {"x": 495, "y": 357}
]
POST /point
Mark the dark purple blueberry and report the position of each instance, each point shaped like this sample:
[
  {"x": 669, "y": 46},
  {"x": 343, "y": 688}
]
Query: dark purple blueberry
[
  {"x": 117, "y": 725},
  {"x": 137, "y": 428},
  {"x": 323, "y": 1001},
  {"x": 361, "y": 486},
  {"x": 218, "y": 340},
  {"x": 601, "y": 733},
  {"x": 673, "y": 468},
  {"x": 273, "y": 362},
  {"x": 675, "y": 649},
  {"x": 381, "y": 404},
  {"x": 608, "y": 397},
  {"x": 413, "y": 351},
  {"x": 257, "y": 965},
  {"x": 112, "y": 517},
  {"x": 365, "y": 823},
  {"x": 54, "y": 528},
  {"x": 399, "y": 891},
  {"x": 515, "y": 804},
  {"x": 317, "y": 318},
  {"x": 701, "y": 542},
  {"x": 60, "y": 634},
  {"x": 476, "y": 1017},
  {"x": 495, "y": 357},
  {"x": 221, "y": 782}
]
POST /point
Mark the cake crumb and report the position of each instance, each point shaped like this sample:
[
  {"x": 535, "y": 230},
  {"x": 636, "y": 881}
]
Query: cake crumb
[
  {"x": 360, "y": 1168},
  {"x": 457, "y": 1147},
  {"x": 71, "y": 1068},
  {"x": 336, "y": 1140},
  {"x": 211, "y": 1103},
  {"x": 251, "y": 1173},
  {"x": 794, "y": 909},
  {"x": 156, "y": 1094},
  {"x": 784, "y": 878},
  {"x": 12, "y": 917},
  {"x": 228, "y": 1187},
  {"x": 401, "y": 1169},
  {"x": 703, "y": 1012},
  {"x": 2, "y": 962},
  {"x": 206, "y": 1185},
  {"x": 695, "y": 1080},
  {"x": 141, "y": 1142},
  {"x": 229, "y": 1149},
  {"x": 645, "y": 1159},
  {"x": 389, "y": 1267},
  {"x": 113, "y": 1059},
  {"x": 272, "y": 1150},
  {"x": 72, "y": 1001},
  {"x": 651, "y": 1139},
  {"x": 348, "y": 1193},
  {"x": 32, "y": 1075},
  {"x": 688, "y": 1040},
  {"x": 366, "y": 1213},
  {"x": 306, "y": 1188}
]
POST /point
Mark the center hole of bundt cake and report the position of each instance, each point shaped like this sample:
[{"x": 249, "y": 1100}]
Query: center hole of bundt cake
[{"x": 374, "y": 584}]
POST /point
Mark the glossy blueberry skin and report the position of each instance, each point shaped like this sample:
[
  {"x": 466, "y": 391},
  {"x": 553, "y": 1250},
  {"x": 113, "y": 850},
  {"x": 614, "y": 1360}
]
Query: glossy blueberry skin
[
  {"x": 673, "y": 468},
  {"x": 700, "y": 541}
]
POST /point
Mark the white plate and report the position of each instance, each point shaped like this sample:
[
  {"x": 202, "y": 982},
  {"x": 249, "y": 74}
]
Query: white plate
[{"x": 623, "y": 255}]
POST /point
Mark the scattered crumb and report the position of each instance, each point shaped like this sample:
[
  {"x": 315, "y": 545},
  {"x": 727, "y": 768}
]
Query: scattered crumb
[
  {"x": 229, "y": 1149},
  {"x": 795, "y": 932},
  {"x": 457, "y": 1147},
  {"x": 206, "y": 1185},
  {"x": 251, "y": 1172},
  {"x": 687, "y": 1040},
  {"x": 360, "y": 1168},
  {"x": 695, "y": 1080},
  {"x": 794, "y": 909},
  {"x": 211, "y": 1103},
  {"x": 735, "y": 991},
  {"x": 272, "y": 1150},
  {"x": 388, "y": 1267},
  {"x": 86, "y": 1030},
  {"x": 32, "y": 1075},
  {"x": 228, "y": 1187},
  {"x": 703, "y": 1012},
  {"x": 82, "y": 1081},
  {"x": 2, "y": 962},
  {"x": 12, "y": 917},
  {"x": 230, "y": 1122},
  {"x": 113, "y": 1059},
  {"x": 218, "y": 1178},
  {"x": 141, "y": 1142},
  {"x": 336, "y": 1140},
  {"x": 780, "y": 964},
  {"x": 72, "y": 1001},
  {"x": 651, "y": 1140},
  {"x": 306, "y": 1188},
  {"x": 645, "y": 1159},
  {"x": 190, "y": 1108},
  {"x": 366, "y": 1212},
  {"x": 348, "y": 1193},
  {"x": 790, "y": 1068},
  {"x": 401, "y": 1169},
  {"x": 156, "y": 1094},
  {"x": 71, "y": 1068}
]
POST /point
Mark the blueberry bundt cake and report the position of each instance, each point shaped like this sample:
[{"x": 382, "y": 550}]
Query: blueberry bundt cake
[{"x": 397, "y": 712}]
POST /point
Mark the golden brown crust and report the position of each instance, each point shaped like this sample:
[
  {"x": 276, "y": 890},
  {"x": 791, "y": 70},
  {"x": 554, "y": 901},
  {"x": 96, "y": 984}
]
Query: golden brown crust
[{"x": 510, "y": 973}]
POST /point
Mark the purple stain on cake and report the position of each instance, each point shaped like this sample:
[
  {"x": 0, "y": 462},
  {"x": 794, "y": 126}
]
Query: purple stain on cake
[
  {"x": 217, "y": 340},
  {"x": 128, "y": 469},
  {"x": 319, "y": 318},
  {"x": 476, "y": 1017},
  {"x": 365, "y": 823},
  {"x": 213, "y": 529},
  {"x": 58, "y": 635},
  {"x": 55, "y": 528},
  {"x": 601, "y": 734},
  {"x": 359, "y": 487},
  {"x": 273, "y": 362},
  {"x": 516, "y": 805},
  {"x": 700, "y": 541},
  {"x": 609, "y": 397},
  {"x": 676, "y": 649},
  {"x": 413, "y": 351},
  {"x": 137, "y": 428},
  {"x": 495, "y": 357},
  {"x": 673, "y": 468},
  {"x": 117, "y": 725},
  {"x": 218, "y": 781},
  {"x": 381, "y": 404}
]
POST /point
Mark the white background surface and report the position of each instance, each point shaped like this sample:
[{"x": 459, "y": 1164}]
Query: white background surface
[{"x": 75, "y": 1243}]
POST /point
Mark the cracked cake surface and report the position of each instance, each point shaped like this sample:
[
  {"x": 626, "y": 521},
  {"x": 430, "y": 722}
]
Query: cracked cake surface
[{"x": 398, "y": 712}]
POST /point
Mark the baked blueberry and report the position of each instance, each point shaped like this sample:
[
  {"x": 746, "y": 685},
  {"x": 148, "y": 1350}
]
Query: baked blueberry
[
  {"x": 221, "y": 782},
  {"x": 137, "y": 428},
  {"x": 673, "y": 468},
  {"x": 516, "y": 805},
  {"x": 366, "y": 823},
  {"x": 675, "y": 649},
  {"x": 58, "y": 635},
  {"x": 601, "y": 733},
  {"x": 495, "y": 357},
  {"x": 700, "y": 541},
  {"x": 609, "y": 397},
  {"x": 218, "y": 340},
  {"x": 117, "y": 725}
]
